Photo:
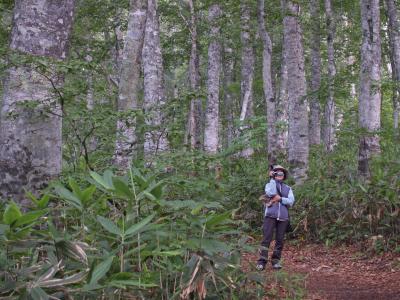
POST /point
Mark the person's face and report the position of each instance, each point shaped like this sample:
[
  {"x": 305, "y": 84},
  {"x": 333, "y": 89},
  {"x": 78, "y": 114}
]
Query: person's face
[{"x": 279, "y": 175}]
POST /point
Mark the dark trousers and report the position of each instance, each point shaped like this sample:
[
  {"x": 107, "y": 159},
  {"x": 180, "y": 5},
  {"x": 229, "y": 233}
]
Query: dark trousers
[{"x": 269, "y": 225}]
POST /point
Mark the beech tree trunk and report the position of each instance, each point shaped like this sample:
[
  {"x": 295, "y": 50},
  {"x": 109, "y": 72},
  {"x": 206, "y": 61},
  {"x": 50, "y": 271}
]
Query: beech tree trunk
[
  {"x": 394, "y": 39},
  {"x": 194, "y": 119},
  {"x": 154, "y": 93},
  {"x": 267, "y": 84},
  {"x": 211, "y": 136},
  {"x": 315, "y": 111},
  {"x": 229, "y": 64},
  {"x": 31, "y": 114},
  {"x": 129, "y": 84},
  {"x": 282, "y": 105},
  {"x": 247, "y": 73},
  {"x": 329, "y": 112},
  {"x": 298, "y": 116},
  {"x": 370, "y": 92}
]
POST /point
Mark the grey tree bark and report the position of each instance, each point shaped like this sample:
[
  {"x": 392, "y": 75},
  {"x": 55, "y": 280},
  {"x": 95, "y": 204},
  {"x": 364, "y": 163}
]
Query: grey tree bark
[
  {"x": 247, "y": 72},
  {"x": 315, "y": 111},
  {"x": 129, "y": 84},
  {"x": 298, "y": 144},
  {"x": 154, "y": 94},
  {"x": 282, "y": 105},
  {"x": 194, "y": 119},
  {"x": 31, "y": 113},
  {"x": 267, "y": 83},
  {"x": 370, "y": 92},
  {"x": 329, "y": 111},
  {"x": 90, "y": 102},
  {"x": 211, "y": 135},
  {"x": 394, "y": 40},
  {"x": 229, "y": 65}
]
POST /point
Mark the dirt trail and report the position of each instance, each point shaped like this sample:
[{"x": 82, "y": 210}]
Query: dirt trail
[{"x": 334, "y": 273}]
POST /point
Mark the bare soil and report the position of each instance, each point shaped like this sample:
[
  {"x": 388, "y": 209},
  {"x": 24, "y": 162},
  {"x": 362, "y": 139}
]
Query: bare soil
[{"x": 331, "y": 273}]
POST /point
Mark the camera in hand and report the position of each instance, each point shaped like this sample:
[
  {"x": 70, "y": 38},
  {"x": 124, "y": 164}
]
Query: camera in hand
[{"x": 278, "y": 173}]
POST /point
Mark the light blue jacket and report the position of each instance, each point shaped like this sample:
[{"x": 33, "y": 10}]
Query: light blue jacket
[{"x": 279, "y": 210}]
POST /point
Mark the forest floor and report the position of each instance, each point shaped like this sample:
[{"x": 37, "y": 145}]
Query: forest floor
[{"x": 312, "y": 271}]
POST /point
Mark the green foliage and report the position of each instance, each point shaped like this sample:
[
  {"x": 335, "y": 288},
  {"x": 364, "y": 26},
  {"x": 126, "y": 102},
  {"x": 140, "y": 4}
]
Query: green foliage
[
  {"x": 123, "y": 235},
  {"x": 334, "y": 205}
]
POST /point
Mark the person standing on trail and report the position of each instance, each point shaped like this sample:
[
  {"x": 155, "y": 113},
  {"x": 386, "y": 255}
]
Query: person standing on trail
[{"x": 278, "y": 197}]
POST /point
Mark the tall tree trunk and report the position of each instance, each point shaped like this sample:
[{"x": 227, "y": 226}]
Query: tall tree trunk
[
  {"x": 282, "y": 105},
  {"x": 267, "y": 83},
  {"x": 298, "y": 117},
  {"x": 329, "y": 113},
  {"x": 370, "y": 92},
  {"x": 247, "y": 72},
  {"x": 394, "y": 39},
  {"x": 194, "y": 119},
  {"x": 31, "y": 114},
  {"x": 126, "y": 142},
  {"x": 315, "y": 119},
  {"x": 229, "y": 65},
  {"x": 211, "y": 137},
  {"x": 154, "y": 93},
  {"x": 92, "y": 143}
]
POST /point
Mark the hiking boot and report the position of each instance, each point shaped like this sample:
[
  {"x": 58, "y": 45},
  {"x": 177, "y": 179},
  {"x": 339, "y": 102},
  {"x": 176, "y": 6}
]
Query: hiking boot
[
  {"x": 276, "y": 266},
  {"x": 260, "y": 267}
]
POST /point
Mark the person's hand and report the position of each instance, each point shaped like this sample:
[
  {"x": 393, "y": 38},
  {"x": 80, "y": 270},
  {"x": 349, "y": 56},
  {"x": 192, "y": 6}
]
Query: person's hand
[
  {"x": 271, "y": 173},
  {"x": 276, "y": 199}
]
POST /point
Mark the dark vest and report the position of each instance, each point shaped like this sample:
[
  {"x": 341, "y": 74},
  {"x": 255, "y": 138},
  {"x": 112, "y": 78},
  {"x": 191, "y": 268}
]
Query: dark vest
[{"x": 278, "y": 210}]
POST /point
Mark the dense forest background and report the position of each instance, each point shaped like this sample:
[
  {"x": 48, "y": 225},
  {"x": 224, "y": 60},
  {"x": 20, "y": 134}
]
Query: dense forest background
[{"x": 136, "y": 138}]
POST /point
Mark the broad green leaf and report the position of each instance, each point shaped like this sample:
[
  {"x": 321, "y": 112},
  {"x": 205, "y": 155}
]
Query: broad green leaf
[
  {"x": 3, "y": 229},
  {"x": 138, "y": 178},
  {"x": 69, "y": 197},
  {"x": 44, "y": 201},
  {"x": 108, "y": 178},
  {"x": 124, "y": 283},
  {"x": 210, "y": 246},
  {"x": 11, "y": 214},
  {"x": 169, "y": 253},
  {"x": 197, "y": 209},
  {"x": 78, "y": 277},
  {"x": 214, "y": 246},
  {"x": 30, "y": 217},
  {"x": 122, "y": 189},
  {"x": 363, "y": 188},
  {"x": 157, "y": 189},
  {"x": 217, "y": 219},
  {"x": 72, "y": 250},
  {"x": 91, "y": 287},
  {"x": 179, "y": 204},
  {"x": 75, "y": 188},
  {"x": 32, "y": 197},
  {"x": 87, "y": 194},
  {"x": 49, "y": 274},
  {"x": 149, "y": 196},
  {"x": 22, "y": 232},
  {"x": 136, "y": 227},
  {"x": 100, "y": 270},
  {"x": 38, "y": 294},
  {"x": 100, "y": 180},
  {"x": 109, "y": 226}
]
